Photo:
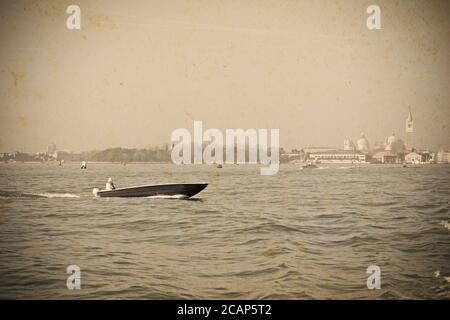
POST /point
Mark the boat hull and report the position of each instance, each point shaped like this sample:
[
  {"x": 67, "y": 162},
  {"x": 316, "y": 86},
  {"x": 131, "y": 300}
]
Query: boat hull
[{"x": 186, "y": 190}]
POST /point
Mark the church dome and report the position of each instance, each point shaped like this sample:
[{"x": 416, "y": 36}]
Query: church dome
[
  {"x": 349, "y": 145},
  {"x": 395, "y": 144},
  {"x": 362, "y": 144},
  {"x": 392, "y": 139}
]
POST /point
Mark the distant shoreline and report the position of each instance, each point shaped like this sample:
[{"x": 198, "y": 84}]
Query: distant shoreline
[
  {"x": 79, "y": 162},
  {"x": 56, "y": 163}
]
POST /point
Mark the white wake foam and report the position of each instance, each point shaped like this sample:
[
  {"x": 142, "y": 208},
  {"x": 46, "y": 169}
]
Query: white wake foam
[
  {"x": 56, "y": 195},
  {"x": 175, "y": 196}
]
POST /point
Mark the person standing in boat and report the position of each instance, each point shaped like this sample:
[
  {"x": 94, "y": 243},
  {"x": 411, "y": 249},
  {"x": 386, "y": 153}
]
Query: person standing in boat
[{"x": 110, "y": 185}]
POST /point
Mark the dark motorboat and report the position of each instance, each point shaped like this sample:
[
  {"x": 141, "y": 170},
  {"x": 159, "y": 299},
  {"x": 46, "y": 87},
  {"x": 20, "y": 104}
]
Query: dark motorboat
[{"x": 176, "y": 190}]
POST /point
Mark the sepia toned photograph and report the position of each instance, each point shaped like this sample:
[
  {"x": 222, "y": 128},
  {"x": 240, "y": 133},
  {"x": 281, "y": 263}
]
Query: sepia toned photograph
[{"x": 199, "y": 150}]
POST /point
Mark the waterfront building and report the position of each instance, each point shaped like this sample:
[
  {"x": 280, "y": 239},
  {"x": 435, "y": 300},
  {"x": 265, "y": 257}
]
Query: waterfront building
[
  {"x": 309, "y": 150},
  {"x": 293, "y": 156},
  {"x": 419, "y": 157},
  {"x": 339, "y": 156},
  {"x": 387, "y": 156},
  {"x": 413, "y": 157},
  {"x": 443, "y": 156}
]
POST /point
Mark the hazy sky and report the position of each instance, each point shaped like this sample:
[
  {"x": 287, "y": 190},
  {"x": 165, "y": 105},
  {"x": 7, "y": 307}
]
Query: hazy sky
[{"x": 137, "y": 70}]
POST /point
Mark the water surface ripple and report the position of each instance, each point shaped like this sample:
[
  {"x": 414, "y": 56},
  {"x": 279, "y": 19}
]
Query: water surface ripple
[{"x": 307, "y": 234}]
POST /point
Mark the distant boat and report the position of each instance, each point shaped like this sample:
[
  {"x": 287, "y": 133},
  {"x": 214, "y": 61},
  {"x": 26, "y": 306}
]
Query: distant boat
[
  {"x": 182, "y": 190},
  {"x": 309, "y": 166},
  {"x": 83, "y": 165}
]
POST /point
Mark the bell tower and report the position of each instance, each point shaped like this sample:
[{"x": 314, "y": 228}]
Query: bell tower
[{"x": 409, "y": 130}]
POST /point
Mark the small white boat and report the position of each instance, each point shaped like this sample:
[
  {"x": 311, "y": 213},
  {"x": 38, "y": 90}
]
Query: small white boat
[{"x": 308, "y": 165}]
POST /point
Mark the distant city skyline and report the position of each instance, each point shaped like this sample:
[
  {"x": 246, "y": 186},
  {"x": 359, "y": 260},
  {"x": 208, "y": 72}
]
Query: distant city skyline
[
  {"x": 347, "y": 143},
  {"x": 133, "y": 74}
]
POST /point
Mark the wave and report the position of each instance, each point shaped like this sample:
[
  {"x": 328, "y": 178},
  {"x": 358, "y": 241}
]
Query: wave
[
  {"x": 437, "y": 274},
  {"x": 379, "y": 204},
  {"x": 446, "y": 224}
]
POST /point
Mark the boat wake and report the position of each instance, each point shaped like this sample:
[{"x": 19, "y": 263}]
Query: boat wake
[
  {"x": 31, "y": 195},
  {"x": 55, "y": 195},
  {"x": 175, "y": 196}
]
